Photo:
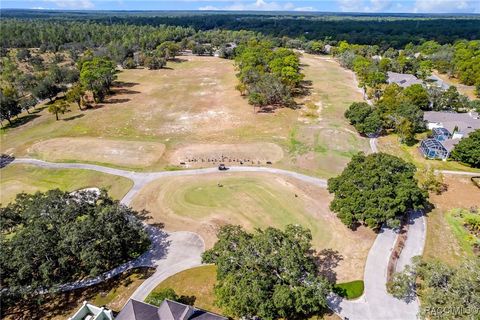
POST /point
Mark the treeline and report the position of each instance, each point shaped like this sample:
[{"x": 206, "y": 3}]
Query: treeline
[
  {"x": 27, "y": 77},
  {"x": 401, "y": 110},
  {"x": 116, "y": 38},
  {"x": 268, "y": 76},
  {"x": 371, "y": 63},
  {"x": 52, "y": 238},
  {"x": 21, "y": 90},
  {"x": 461, "y": 59},
  {"x": 381, "y": 30}
]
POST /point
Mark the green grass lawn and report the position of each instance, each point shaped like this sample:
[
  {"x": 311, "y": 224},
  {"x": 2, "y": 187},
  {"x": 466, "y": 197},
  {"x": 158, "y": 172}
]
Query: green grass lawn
[
  {"x": 253, "y": 202},
  {"x": 16, "y": 178},
  {"x": 197, "y": 282},
  {"x": 196, "y": 102},
  {"x": 466, "y": 239},
  {"x": 390, "y": 144},
  {"x": 350, "y": 290}
]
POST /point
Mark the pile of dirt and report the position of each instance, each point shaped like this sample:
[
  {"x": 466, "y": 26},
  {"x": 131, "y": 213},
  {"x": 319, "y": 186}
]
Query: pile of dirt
[{"x": 200, "y": 155}]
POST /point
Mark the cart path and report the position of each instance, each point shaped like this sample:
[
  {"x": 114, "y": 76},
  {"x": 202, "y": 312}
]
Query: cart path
[
  {"x": 178, "y": 251},
  {"x": 140, "y": 179},
  {"x": 376, "y": 303}
]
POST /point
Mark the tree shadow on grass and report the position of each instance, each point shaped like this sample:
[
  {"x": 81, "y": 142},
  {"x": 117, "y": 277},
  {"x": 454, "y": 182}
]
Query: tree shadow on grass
[
  {"x": 304, "y": 89},
  {"x": 38, "y": 109},
  {"x": 123, "y": 84},
  {"x": 124, "y": 91},
  {"x": 178, "y": 60},
  {"x": 189, "y": 300},
  {"x": 116, "y": 100},
  {"x": 327, "y": 261},
  {"x": 74, "y": 117},
  {"x": 66, "y": 303},
  {"x": 21, "y": 121}
]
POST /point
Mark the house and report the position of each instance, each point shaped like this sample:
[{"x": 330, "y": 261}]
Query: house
[
  {"x": 458, "y": 124},
  {"x": 441, "y": 134},
  {"x": 168, "y": 310},
  {"x": 90, "y": 312},
  {"x": 433, "y": 149},
  {"x": 403, "y": 79},
  {"x": 436, "y": 81},
  {"x": 448, "y": 128}
]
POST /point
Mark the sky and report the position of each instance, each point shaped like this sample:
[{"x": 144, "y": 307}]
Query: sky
[{"x": 367, "y": 6}]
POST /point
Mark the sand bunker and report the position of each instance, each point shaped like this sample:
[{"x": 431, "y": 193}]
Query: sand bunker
[
  {"x": 231, "y": 154},
  {"x": 122, "y": 153}
]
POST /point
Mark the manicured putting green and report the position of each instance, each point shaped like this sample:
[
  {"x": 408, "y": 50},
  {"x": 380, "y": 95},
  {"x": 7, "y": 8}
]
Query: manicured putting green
[{"x": 250, "y": 201}]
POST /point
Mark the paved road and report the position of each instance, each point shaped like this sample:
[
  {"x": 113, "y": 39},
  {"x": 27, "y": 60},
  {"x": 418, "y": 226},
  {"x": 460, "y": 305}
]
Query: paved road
[
  {"x": 376, "y": 303},
  {"x": 373, "y": 145},
  {"x": 170, "y": 253},
  {"x": 140, "y": 179},
  {"x": 184, "y": 252},
  {"x": 185, "y": 248}
]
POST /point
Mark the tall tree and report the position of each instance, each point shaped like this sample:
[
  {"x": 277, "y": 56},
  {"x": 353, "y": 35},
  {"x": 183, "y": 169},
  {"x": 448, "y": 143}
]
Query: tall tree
[
  {"x": 9, "y": 106},
  {"x": 268, "y": 274},
  {"x": 468, "y": 150},
  {"x": 59, "y": 106},
  {"x": 45, "y": 89},
  {"x": 365, "y": 118},
  {"x": 75, "y": 95},
  {"x": 56, "y": 237},
  {"x": 417, "y": 95},
  {"x": 376, "y": 189},
  {"x": 97, "y": 75}
]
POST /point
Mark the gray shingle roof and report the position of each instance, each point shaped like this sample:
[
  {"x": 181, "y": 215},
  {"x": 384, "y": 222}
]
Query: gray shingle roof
[
  {"x": 136, "y": 310},
  {"x": 450, "y": 144},
  {"x": 465, "y": 122},
  {"x": 168, "y": 310},
  {"x": 402, "y": 79}
]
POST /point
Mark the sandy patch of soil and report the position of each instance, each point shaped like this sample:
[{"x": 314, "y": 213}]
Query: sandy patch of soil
[
  {"x": 461, "y": 193},
  {"x": 122, "y": 153},
  {"x": 231, "y": 154}
]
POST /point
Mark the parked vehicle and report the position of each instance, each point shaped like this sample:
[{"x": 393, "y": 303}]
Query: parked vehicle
[{"x": 222, "y": 167}]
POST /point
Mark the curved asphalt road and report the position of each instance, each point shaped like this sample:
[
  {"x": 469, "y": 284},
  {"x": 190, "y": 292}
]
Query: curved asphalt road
[
  {"x": 184, "y": 248},
  {"x": 170, "y": 253}
]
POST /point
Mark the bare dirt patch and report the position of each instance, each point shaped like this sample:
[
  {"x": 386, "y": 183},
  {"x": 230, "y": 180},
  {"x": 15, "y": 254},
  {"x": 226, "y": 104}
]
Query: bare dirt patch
[
  {"x": 202, "y": 204},
  {"x": 121, "y": 153},
  {"x": 231, "y": 154},
  {"x": 441, "y": 242}
]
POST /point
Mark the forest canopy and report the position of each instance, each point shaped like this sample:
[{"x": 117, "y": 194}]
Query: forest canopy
[
  {"x": 382, "y": 29},
  {"x": 75, "y": 235},
  {"x": 375, "y": 189}
]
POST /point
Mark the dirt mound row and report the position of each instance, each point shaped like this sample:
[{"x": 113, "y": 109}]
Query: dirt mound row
[{"x": 248, "y": 153}]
